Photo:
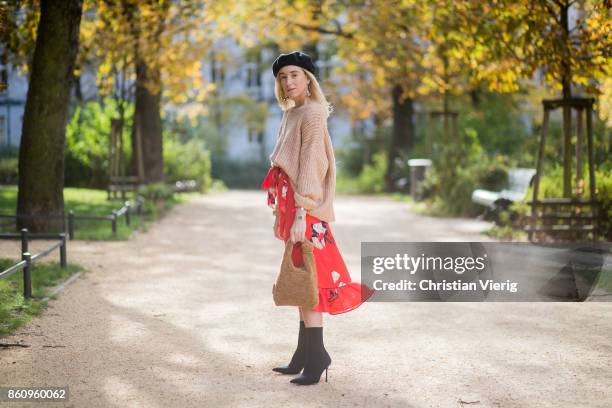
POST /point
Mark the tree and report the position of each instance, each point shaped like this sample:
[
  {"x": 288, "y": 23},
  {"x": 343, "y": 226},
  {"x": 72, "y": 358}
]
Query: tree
[
  {"x": 41, "y": 153},
  {"x": 514, "y": 39},
  {"x": 150, "y": 52},
  {"x": 18, "y": 37}
]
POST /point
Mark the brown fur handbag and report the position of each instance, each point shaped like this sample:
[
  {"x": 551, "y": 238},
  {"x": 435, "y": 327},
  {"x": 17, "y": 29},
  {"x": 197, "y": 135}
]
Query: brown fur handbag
[{"x": 297, "y": 286}]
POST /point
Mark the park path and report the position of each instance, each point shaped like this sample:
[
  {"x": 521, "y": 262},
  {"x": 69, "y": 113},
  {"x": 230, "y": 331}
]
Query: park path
[{"x": 182, "y": 316}]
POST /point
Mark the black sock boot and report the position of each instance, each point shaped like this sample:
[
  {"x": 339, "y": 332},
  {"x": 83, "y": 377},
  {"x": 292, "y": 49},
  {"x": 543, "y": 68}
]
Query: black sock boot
[
  {"x": 297, "y": 361},
  {"x": 317, "y": 358}
]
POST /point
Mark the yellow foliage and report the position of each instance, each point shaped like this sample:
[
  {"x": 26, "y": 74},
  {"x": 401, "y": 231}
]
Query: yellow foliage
[{"x": 605, "y": 101}]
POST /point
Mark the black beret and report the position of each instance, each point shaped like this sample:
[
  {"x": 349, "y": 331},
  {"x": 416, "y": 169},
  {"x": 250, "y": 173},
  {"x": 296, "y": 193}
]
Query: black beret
[{"x": 295, "y": 58}]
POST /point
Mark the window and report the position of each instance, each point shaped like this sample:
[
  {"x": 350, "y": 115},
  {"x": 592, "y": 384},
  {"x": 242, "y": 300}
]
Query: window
[
  {"x": 253, "y": 76},
  {"x": 218, "y": 75},
  {"x": 217, "y": 72},
  {"x": 3, "y": 80},
  {"x": 253, "y": 70},
  {"x": 326, "y": 62},
  {"x": 2, "y": 130},
  {"x": 255, "y": 136},
  {"x": 3, "y": 73}
]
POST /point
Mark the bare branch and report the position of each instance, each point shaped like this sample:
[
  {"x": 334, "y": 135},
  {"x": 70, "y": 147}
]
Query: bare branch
[
  {"x": 337, "y": 32},
  {"x": 552, "y": 12}
]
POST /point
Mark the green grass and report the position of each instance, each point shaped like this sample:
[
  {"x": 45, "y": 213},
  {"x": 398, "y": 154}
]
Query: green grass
[
  {"x": 8, "y": 200},
  {"x": 427, "y": 207},
  {"x": 506, "y": 233},
  {"x": 605, "y": 280},
  {"x": 94, "y": 202},
  {"x": 15, "y": 311}
]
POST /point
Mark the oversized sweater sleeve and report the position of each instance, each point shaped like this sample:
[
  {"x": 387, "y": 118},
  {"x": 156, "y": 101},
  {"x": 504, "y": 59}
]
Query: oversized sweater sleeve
[{"x": 313, "y": 161}]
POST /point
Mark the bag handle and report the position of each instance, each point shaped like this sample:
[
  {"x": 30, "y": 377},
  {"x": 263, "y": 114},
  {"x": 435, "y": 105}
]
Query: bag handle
[{"x": 307, "y": 247}]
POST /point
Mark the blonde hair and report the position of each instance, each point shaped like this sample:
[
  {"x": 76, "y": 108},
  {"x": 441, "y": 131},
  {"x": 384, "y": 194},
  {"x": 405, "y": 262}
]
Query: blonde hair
[{"x": 315, "y": 93}]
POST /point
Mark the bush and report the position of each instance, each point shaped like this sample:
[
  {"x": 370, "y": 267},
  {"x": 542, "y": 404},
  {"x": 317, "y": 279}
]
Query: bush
[
  {"x": 498, "y": 120},
  {"x": 359, "y": 149},
  {"x": 87, "y": 143},
  {"x": 9, "y": 152},
  {"x": 603, "y": 179},
  {"x": 156, "y": 191},
  {"x": 350, "y": 158},
  {"x": 372, "y": 177},
  {"x": 9, "y": 164},
  {"x": 458, "y": 169},
  {"x": 9, "y": 170},
  {"x": 187, "y": 161},
  {"x": 87, "y": 149}
]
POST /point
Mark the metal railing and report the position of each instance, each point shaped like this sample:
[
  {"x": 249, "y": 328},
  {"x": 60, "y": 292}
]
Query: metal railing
[
  {"x": 71, "y": 219},
  {"x": 27, "y": 259}
]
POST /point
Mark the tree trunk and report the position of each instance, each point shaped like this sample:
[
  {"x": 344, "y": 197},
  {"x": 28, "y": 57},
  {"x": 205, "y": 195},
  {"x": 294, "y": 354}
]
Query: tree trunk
[
  {"x": 567, "y": 110},
  {"x": 147, "y": 121},
  {"x": 41, "y": 152},
  {"x": 402, "y": 138},
  {"x": 147, "y": 141}
]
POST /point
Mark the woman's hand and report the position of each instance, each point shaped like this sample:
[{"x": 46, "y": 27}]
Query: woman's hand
[{"x": 298, "y": 229}]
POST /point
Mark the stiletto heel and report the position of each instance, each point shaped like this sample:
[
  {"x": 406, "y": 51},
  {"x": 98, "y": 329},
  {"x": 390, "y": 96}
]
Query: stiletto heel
[{"x": 317, "y": 358}]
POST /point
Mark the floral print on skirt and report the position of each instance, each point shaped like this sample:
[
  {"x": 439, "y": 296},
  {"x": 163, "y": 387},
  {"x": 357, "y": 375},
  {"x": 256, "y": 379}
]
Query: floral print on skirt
[{"x": 337, "y": 294}]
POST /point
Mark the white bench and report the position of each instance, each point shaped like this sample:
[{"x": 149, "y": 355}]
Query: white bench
[{"x": 519, "y": 180}]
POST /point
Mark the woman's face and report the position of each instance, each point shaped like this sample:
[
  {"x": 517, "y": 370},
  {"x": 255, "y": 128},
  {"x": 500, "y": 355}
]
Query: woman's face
[{"x": 294, "y": 81}]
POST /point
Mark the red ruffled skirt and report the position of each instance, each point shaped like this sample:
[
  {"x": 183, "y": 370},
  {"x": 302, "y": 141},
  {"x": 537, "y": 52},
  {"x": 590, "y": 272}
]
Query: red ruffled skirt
[{"x": 337, "y": 294}]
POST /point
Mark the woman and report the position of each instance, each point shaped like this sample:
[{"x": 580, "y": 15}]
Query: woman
[{"x": 301, "y": 185}]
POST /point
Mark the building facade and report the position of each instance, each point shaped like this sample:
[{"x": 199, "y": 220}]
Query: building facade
[{"x": 12, "y": 104}]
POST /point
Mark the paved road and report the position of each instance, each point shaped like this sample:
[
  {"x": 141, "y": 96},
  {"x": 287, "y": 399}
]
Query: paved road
[{"x": 182, "y": 315}]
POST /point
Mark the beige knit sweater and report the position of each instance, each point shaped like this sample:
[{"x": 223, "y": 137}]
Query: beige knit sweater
[{"x": 305, "y": 152}]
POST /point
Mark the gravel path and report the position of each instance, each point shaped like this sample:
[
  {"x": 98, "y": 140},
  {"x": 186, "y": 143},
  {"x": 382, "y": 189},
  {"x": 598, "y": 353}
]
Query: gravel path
[{"x": 182, "y": 316}]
